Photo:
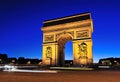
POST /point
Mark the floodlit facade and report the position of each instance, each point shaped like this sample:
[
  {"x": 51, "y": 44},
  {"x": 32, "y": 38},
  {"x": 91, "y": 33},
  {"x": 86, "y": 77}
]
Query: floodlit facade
[{"x": 77, "y": 28}]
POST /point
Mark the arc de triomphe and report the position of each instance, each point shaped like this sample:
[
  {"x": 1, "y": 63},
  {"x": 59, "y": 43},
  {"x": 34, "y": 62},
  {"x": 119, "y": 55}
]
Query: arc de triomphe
[{"x": 56, "y": 32}]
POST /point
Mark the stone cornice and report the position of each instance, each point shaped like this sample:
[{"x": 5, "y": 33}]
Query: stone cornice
[
  {"x": 67, "y": 17},
  {"x": 70, "y": 25}
]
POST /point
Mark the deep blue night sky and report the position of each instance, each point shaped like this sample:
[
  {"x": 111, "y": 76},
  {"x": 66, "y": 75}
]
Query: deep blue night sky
[{"x": 21, "y": 20}]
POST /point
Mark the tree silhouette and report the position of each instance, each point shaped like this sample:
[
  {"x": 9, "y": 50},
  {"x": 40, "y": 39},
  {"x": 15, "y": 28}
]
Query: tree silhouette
[{"x": 3, "y": 58}]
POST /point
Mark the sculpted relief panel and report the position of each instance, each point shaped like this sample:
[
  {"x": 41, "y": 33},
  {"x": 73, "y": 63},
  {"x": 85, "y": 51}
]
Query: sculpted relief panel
[
  {"x": 49, "y": 38},
  {"x": 71, "y": 33},
  {"x": 48, "y": 52},
  {"x": 82, "y": 50},
  {"x": 82, "y": 34}
]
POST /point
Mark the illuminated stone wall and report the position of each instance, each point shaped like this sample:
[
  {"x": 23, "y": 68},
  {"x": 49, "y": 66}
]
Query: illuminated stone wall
[{"x": 57, "y": 32}]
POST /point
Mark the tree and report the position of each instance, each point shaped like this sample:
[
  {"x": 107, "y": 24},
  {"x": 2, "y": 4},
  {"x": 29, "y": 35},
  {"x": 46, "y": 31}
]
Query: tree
[
  {"x": 3, "y": 58},
  {"x": 21, "y": 60}
]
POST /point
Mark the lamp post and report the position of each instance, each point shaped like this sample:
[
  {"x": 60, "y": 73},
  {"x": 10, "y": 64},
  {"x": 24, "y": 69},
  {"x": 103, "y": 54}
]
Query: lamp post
[{"x": 0, "y": 60}]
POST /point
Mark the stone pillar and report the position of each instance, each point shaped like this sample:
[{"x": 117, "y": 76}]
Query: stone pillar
[
  {"x": 50, "y": 54},
  {"x": 82, "y": 51}
]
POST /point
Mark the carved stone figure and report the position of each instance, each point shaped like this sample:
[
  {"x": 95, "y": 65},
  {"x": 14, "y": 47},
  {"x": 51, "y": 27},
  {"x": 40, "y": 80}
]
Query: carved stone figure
[
  {"x": 82, "y": 50},
  {"x": 49, "y": 37},
  {"x": 82, "y": 34},
  {"x": 48, "y": 52}
]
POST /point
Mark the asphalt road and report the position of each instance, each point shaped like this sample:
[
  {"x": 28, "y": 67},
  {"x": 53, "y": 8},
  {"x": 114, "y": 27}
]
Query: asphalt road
[{"x": 62, "y": 76}]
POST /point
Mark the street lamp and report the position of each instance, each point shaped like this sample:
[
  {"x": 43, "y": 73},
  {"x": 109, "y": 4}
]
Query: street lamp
[{"x": 0, "y": 60}]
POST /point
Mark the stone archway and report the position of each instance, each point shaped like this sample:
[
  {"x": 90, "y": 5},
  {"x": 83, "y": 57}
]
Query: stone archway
[
  {"x": 61, "y": 45},
  {"x": 57, "y": 32}
]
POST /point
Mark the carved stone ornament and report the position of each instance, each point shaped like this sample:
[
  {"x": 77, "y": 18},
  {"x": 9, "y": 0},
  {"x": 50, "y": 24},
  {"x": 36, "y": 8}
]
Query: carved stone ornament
[
  {"x": 49, "y": 38},
  {"x": 48, "y": 52},
  {"x": 82, "y": 50},
  {"x": 71, "y": 33},
  {"x": 82, "y": 34}
]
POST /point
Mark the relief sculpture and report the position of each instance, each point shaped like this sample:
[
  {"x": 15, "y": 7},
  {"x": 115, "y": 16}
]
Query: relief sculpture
[
  {"x": 71, "y": 33},
  {"x": 82, "y": 50},
  {"x": 49, "y": 38},
  {"x": 82, "y": 34},
  {"x": 48, "y": 52}
]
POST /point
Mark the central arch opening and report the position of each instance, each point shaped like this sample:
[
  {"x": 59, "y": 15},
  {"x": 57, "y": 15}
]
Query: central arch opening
[
  {"x": 69, "y": 50},
  {"x": 65, "y": 52},
  {"x": 68, "y": 53}
]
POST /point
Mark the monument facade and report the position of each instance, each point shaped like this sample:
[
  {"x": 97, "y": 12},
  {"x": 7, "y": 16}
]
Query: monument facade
[{"x": 56, "y": 32}]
